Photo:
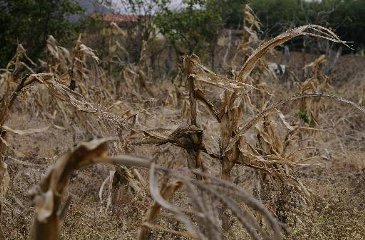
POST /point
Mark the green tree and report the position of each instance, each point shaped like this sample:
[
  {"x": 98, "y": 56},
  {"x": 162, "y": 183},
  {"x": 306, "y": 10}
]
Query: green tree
[
  {"x": 194, "y": 28},
  {"x": 345, "y": 17},
  {"x": 230, "y": 11},
  {"x": 143, "y": 30},
  {"x": 348, "y": 20},
  {"x": 189, "y": 28},
  {"x": 29, "y": 22},
  {"x": 278, "y": 15},
  {"x": 198, "y": 24}
]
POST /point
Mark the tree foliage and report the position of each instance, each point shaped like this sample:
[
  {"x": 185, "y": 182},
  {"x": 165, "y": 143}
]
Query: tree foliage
[
  {"x": 29, "y": 22},
  {"x": 195, "y": 28},
  {"x": 190, "y": 28},
  {"x": 347, "y": 18}
]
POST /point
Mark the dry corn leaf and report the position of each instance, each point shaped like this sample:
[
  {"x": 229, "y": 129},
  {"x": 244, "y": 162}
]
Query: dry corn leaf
[
  {"x": 88, "y": 51},
  {"x": 64, "y": 93},
  {"x": 167, "y": 191},
  {"x": 17, "y": 153},
  {"x": 47, "y": 198},
  {"x": 307, "y": 30},
  {"x": 44, "y": 205},
  {"x": 108, "y": 180},
  {"x": 253, "y": 121},
  {"x": 251, "y": 18},
  {"x": 214, "y": 189},
  {"x": 4, "y": 181},
  {"x": 25, "y": 131},
  {"x": 282, "y": 118}
]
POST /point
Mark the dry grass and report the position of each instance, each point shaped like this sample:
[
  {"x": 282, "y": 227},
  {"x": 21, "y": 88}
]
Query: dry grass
[{"x": 224, "y": 156}]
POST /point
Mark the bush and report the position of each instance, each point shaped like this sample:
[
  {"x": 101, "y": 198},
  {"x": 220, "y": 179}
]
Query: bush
[
  {"x": 30, "y": 23},
  {"x": 347, "y": 18}
]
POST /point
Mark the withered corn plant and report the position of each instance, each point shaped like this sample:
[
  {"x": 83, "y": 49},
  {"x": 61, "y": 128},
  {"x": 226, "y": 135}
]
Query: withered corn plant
[
  {"x": 230, "y": 114},
  {"x": 244, "y": 96},
  {"x": 47, "y": 197},
  {"x": 12, "y": 83},
  {"x": 189, "y": 199},
  {"x": 201, "y": 223},
  {"x": 66, "y": 81},
  {"x": 245, "y": 106}
]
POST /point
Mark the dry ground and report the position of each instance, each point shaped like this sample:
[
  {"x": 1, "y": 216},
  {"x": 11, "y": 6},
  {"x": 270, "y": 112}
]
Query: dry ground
[{"x": 337, "y": 210}]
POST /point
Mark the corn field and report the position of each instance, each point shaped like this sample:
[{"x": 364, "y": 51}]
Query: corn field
[{"x": 87, "y": 154}]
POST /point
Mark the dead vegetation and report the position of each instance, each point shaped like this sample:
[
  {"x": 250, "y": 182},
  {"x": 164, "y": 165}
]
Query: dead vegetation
[{"x": 225, "y": 162}]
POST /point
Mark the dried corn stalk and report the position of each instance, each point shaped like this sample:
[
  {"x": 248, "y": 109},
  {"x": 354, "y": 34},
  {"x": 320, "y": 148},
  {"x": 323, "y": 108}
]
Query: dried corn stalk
[
  {"x": 189, "y": 138},
  {"x": 14, "y": 84},
  {"x": 167, "y": 192},
  {"x": 307, "y": 30},
  {"x": 317, "y": 83},
  {"x": 4, "y": 185},
  {"x": 204, "y": 221},
  {"x": 47, "y": 197},
  {"x": 271, "y": 156}
]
